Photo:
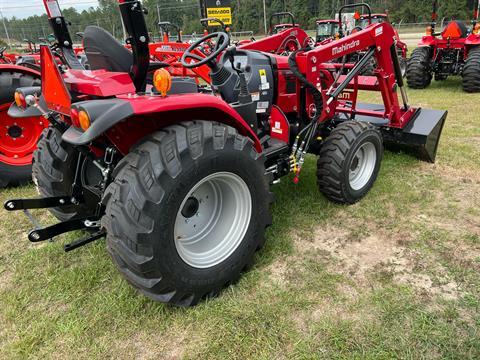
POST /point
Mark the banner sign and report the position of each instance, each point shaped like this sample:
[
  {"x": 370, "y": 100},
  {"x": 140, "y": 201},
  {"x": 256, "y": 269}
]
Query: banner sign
[{"x": 220, "y": 9}]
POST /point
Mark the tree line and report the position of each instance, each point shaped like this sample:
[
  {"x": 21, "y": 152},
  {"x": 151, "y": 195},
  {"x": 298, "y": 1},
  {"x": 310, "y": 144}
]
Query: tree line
[{"x": 247, "y": 15}]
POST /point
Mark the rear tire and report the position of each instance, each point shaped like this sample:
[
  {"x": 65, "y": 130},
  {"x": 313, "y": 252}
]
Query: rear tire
[
  {"x": 419, "y": 74},
  {"x": 471, "y": 71},
  {"x": 14, "y": 175},
  {"x": 349, "y": 162},
  {"x": 156, "y": 208},
  {"x": 54, "y": 167}
]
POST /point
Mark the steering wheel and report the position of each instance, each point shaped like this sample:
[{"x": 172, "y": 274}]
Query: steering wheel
[
  {"x": 221, "y": 43},
  {"x": 356, "y": 29}
]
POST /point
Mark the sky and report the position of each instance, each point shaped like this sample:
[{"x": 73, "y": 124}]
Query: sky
[{"x": 25, "y": 8}]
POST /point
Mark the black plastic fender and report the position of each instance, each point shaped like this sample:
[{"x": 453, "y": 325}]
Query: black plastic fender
[{"x": 103, "y": 114}]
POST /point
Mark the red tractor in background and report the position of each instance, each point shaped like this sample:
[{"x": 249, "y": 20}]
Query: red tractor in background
[
  {"x": 326, "y": 30},
  {"x": 453, "y": 51},
  {"x": 179, "y": 182},
  {"x": 18, "y": 136},
  {"x": 276, "y": 28}
]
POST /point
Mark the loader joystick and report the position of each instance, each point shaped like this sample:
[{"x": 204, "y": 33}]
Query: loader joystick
[{"x": 222, "y": 41}]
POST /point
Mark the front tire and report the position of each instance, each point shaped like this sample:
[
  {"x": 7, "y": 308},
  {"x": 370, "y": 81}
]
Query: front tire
[
  {"x": 349, "y": 162},
  {"x": 187, "y": 211},
  {"x": 419, "y": 74},
  {"x": 471, "y": 72}
]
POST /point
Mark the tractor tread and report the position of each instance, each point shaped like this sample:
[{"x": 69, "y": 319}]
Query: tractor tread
[
  {"x": 141, "y": 187},
  {"x": 471, "y": 72},
  {"x": 418, "y": 69},
  {"x": 53, "y": 170},
  {"x": 332, "y": 159}
]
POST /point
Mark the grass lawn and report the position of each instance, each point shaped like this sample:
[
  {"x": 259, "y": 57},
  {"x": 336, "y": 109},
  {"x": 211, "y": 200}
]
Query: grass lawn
[{"x": 394, "y": 276}]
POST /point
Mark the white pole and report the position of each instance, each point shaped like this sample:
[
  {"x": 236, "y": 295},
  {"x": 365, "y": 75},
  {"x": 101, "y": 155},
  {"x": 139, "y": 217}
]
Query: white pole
[
  {"x": 5, "y": 27},
  {"x": 265, "y": 16}
]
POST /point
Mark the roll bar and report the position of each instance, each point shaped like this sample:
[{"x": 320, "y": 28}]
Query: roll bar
[
  {"x": 60, "y": 30},
  {"x": 133, "y": 17},
  {"x": 165, "y": 25},
  {"x": 280, "y": 15},
  {"x": 353, "y": 6}
]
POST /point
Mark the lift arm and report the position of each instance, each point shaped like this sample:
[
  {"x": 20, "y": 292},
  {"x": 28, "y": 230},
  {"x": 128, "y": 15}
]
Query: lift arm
[{"x": 378, "y": 41}]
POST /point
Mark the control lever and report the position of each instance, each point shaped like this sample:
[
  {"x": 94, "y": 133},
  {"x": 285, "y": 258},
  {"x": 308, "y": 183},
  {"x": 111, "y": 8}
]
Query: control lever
[
  {"x": 245, "y": 105},
  {"x": 244, "y": 97}
]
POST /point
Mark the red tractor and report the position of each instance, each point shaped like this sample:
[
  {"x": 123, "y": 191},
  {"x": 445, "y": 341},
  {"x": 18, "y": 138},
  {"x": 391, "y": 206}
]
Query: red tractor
[
  {"x": 326, "y": 30},
  {"x": 18, "y": 136},
  {"x": 179, "y": 183},
  {"x": 453, "y": 51}
]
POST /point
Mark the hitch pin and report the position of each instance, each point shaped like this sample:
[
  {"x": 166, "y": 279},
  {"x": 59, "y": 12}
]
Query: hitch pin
[{"x": 32, "y": 100}]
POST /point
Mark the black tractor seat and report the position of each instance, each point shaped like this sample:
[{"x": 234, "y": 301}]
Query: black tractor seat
[{"x": 103, "y": 51}]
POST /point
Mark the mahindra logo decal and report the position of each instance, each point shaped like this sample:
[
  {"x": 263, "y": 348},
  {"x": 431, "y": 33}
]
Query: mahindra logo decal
[{"x": 345, "y": 47}]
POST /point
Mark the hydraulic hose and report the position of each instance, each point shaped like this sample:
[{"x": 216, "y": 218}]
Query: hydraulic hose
[
  {"x": 299, "y": 152},
  {"x": 316, "y": 94}
]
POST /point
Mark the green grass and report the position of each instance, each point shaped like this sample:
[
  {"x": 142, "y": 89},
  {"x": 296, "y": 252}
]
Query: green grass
[{"x": 395, "y": 276}]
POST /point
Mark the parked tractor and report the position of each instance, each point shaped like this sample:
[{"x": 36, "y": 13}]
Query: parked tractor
[
  {"x": 179, "y": 182},
  {"x": 453, "y": 51},
  {"x": 326, "y": 29}
]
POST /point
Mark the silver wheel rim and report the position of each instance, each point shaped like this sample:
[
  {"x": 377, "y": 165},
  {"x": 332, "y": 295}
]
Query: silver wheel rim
[
  {"x": 213, "y": 219},
  {"x": 362, "y": 166}
]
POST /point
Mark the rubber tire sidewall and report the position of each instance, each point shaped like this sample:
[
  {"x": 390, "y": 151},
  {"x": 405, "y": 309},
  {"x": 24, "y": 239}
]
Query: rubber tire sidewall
[
  {"x": 14, "y": 175},
  {"x": 149, "y": 234},
  {"x": 376, "y": 140}
]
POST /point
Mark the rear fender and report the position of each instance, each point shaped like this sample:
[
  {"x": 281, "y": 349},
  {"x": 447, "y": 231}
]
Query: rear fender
[
  {"x": 20, "y": 69},
  {"x": 472, "y": 40},
  {"x": 16, "y": 112},
  {"x": 427, "y": 41},
  {"x": 126, "y": 120}
]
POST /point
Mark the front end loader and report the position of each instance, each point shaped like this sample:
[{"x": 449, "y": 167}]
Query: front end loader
[{"x": 179, "y": 183}]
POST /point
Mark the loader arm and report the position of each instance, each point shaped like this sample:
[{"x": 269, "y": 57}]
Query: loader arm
[
  {"x": 378, "y": 38},
  {"x": 276, "y": 43}
]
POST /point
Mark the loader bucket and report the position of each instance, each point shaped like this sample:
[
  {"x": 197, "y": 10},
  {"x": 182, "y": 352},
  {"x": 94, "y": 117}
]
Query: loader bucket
[
  {"x": 422, "y": 134},
  {"x": 419, "y": 137}
]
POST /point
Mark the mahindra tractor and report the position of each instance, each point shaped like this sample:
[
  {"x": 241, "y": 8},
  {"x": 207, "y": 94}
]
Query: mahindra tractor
[
  {"x": 326, "y": 30},
  {"x": 453, "y": 51},
  {"x": 179, "y": 181}
]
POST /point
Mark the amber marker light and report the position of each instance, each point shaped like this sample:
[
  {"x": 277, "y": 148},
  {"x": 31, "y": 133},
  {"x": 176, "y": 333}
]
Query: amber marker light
[
  {"x": 162, "y": 80},
  {"x": 84, "y": 120}
]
